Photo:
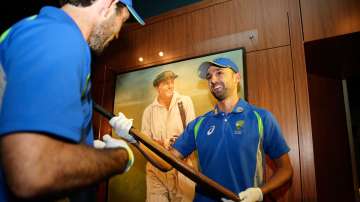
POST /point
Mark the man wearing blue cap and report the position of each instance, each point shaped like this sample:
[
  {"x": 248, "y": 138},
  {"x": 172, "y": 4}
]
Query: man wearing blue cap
[
  {"x": 233, "y": 138},
  {"x": 46, "y": 133}
]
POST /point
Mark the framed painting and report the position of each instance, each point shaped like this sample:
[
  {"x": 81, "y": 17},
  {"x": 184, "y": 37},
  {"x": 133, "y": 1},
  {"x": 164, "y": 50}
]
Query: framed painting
[{"x": 135, "y": 91}]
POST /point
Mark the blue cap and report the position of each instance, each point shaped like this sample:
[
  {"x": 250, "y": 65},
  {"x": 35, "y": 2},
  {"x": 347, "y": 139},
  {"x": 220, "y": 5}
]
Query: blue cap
[
  {"x": 128, "y": 4},
  {"x": 219, "y": 62}
]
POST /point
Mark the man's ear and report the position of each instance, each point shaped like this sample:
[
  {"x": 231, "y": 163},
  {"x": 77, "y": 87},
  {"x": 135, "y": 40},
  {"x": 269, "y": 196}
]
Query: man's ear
[
  {"x": 157, "y": 89},
  {"x": 238, "y": 76}
]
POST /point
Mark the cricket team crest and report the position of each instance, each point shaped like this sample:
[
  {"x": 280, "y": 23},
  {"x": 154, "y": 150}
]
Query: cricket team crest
[{"x": 238, "y": 125}]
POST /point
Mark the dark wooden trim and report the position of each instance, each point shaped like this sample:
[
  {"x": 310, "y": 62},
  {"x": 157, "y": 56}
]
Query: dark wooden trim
[{"x": 308, "y": 179}]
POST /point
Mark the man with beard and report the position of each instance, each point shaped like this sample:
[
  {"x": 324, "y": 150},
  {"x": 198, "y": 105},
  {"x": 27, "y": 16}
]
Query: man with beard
[
  {"x": 164, "y": 120},
  {"x": 233, "y": 138},
  {"x": 46, "y": 134}
]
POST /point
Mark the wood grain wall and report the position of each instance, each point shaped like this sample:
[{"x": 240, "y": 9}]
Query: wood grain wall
[
  {"x": 331, "y": 145},
  {"x": 103, "y": 93},
  {"x": 202, "y": 29},
  {"x": 328, "y": 18},
  {"x": 271, "y": 32},
  {"x": 271, "y": 85}
]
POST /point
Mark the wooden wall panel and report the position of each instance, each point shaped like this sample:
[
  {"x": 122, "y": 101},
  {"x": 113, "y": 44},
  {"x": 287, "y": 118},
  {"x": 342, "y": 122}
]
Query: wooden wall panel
[
  {"x": 256, "y": 25},
  {"x": 271, "y": 86},
  {"x": 103, "y": 93},
  {"x": 275, "y": 55},
  {"x": 331, "y": 145},
  {"x": 327, "y": 18},
  {"x": 308, "y": 180},
  {"x": 102, "y": 89}
]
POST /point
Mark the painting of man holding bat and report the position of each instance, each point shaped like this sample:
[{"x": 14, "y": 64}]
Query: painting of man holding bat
[
  {"x": 231, "y": 140},
  {"x": 164, "y": 120}
]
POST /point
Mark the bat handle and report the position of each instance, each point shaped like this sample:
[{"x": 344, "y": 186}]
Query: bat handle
[
  {"x": 103, "y": 111},
  {"x": 109, "y": 115}
]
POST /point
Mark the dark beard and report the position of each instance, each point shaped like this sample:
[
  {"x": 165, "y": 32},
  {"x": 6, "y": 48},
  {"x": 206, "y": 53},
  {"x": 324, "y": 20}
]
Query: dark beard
[
  {"x": 100, "y": 34},
  {"x": 99, "y": 46},
  {"x": 220, "y": 96}
]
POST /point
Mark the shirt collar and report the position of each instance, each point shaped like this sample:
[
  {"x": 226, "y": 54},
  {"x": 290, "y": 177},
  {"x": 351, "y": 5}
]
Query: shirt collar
[{"x": 240, "y": 107}]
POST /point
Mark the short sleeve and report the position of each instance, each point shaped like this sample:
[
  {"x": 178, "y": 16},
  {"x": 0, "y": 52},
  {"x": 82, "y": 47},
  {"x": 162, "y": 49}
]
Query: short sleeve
[
  {"x": 43, "y": 93},
  {"x": 186, "y": 144},
  {"x": 145, "y": 123},
  {"x": 274, "y": 142}
]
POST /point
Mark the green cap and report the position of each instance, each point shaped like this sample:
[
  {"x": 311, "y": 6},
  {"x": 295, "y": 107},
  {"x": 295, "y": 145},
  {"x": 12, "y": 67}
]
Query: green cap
[{"x": 164, "y": 76}]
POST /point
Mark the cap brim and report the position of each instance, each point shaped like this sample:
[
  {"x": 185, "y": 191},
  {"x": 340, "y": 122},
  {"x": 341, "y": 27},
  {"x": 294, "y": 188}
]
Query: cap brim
[
  {"x": 202, "y": 71},
  {"x": 136, "y": 15}
]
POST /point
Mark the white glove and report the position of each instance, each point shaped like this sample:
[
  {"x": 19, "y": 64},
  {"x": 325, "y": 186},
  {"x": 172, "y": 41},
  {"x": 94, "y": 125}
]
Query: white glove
[
  {"x": 122, "y": 125},
  {"x": 98, "y": 144},
  {"x": 251, "y": 195},
  {"x": 117, "y": 143}
]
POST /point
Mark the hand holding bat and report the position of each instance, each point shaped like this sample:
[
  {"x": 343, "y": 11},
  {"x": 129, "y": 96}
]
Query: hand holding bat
[{"x": 196, "y": 176}]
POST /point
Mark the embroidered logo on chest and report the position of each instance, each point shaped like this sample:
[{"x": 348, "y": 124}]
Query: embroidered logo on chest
[
  {"x": 238, "y": 125},
  {"x": 211, "y": 130}
]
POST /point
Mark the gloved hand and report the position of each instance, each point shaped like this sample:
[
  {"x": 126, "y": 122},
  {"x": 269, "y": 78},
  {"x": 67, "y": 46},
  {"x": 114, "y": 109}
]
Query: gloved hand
[
  {"x": 252, "y": 194},
  {"x": 110, "y": 142},
  {"x": 98, "y": 144},
  {"x": 122, "y": 125}
]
